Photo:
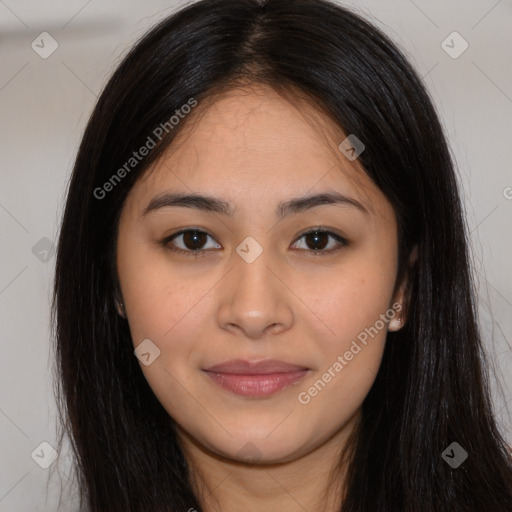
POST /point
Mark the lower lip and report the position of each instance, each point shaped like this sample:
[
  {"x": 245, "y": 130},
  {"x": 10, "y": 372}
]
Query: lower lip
[{"x": 256, "y": 385}]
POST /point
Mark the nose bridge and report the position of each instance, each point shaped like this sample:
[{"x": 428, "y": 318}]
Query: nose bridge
[
  {"x": 253, "y": 278},
  {"x": 256, "y": 298}
]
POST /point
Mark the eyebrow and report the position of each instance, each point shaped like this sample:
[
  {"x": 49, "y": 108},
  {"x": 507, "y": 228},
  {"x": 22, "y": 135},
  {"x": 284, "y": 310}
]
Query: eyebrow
[{"x": 217, "y": 205}]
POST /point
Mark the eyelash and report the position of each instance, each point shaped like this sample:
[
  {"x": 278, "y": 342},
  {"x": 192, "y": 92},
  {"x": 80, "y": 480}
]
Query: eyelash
[{"x": 202, "y": 252}]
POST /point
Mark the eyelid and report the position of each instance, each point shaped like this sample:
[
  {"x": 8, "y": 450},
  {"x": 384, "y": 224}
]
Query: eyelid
[
  {"x": 342, "y": 241},
  {"x": 320, "y": 229}
]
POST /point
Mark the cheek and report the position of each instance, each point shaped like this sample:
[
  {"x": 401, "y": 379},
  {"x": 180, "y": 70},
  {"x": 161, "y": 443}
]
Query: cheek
[
  {"x": 351, "y": 301},
  {"x": 170, "y": 308},
  {"x": 354, "y": 312},
  {"x": 168, "y": 311},
  {"x": 157, "y": 298}
]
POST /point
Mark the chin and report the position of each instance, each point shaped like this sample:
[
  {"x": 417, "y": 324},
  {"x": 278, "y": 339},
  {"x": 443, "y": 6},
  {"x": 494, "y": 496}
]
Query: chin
[{"x": 261, "y": 450}]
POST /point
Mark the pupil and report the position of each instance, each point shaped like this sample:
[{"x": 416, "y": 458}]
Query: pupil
[
  {"x": 315, "y": 236},
  {"x": 190, "y": 237}
]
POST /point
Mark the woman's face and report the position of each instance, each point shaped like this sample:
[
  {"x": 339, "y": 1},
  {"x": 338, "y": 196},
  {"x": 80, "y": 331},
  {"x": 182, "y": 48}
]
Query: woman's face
[{"x": 257, "y": 290}]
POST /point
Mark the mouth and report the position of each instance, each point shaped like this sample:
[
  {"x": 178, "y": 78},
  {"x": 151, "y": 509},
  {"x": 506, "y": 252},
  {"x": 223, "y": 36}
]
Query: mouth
[{"x": 256, "y": 379}]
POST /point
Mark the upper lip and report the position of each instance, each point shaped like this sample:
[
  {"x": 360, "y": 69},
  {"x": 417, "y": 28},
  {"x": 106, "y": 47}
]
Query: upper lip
[{"x": 267, "y": 366}]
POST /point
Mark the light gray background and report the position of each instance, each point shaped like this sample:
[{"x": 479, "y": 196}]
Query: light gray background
[{"x": 45, "y": 103}]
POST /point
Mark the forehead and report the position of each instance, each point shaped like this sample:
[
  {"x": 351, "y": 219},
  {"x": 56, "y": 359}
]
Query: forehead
[{"x": 261, "y": 146}]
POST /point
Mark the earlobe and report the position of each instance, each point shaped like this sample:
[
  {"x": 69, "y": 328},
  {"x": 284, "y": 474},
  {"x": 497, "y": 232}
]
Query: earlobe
[
  {"x": 398, "y": 321},
  {"x": 119, "y": 303},
  {"x": 118, "y": 300},
  {"x": 120, "y": 309}
]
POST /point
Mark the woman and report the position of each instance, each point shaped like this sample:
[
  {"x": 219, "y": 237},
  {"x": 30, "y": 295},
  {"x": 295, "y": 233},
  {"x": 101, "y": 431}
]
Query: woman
[{"x": 263, "y": 298}]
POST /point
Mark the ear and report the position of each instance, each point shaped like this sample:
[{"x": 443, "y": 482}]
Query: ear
[{"x": 398, "y": 321}]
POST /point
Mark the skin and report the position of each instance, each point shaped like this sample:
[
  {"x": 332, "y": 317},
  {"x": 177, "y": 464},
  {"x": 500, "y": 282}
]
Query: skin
[{"x": 253, "y": 149}]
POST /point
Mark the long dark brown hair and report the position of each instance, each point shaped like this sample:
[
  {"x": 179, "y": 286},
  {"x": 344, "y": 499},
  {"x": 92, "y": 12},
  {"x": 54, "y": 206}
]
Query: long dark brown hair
[{"x": 432, "y": 387}]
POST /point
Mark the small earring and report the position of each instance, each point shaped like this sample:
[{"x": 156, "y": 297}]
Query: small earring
[
  {"x": 395, "y": 324},
  {"x": 120, "y": 309}
]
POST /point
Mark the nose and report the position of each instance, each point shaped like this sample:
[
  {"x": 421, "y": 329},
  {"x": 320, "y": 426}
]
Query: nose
[{"x": 255, "y": 300}]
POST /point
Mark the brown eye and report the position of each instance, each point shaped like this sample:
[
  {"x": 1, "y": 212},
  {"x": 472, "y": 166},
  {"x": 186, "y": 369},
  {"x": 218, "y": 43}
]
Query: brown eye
[
  {"x": 317, "y": 240},
  {"x": 194, "y": 240}
]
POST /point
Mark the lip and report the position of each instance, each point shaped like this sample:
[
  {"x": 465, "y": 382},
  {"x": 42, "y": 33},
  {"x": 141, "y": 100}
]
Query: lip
[
  {"x": 256, "y": 379},
  {"x": 266, "y": 366}
]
